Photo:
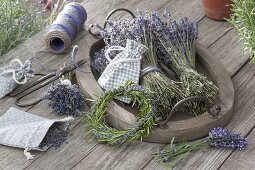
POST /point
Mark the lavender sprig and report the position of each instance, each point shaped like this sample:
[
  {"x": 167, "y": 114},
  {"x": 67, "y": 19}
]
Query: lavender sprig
[
  {"x": 218, "y": 137},
  {"x": 221, "y": 137}
]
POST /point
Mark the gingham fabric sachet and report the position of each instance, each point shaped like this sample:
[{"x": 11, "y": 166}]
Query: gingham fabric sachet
[
  {"x": 13, "y": 74},
  {"x": 125, "y": 66}
]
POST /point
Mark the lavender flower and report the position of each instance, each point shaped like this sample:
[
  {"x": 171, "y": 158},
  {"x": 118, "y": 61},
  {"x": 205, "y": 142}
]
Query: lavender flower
[
  {"x": 221, "y": 137},
  {"x": 65, "y": 99},
  {"x": 218, "y": 137}
]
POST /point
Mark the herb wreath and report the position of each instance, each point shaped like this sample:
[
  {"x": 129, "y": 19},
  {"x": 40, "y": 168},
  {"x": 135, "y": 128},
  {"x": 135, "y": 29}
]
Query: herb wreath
[{"x": 146, "y": 117}]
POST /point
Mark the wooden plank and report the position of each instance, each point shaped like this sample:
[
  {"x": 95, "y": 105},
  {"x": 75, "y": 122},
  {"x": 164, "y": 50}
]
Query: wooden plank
[
  {"x": 138, "y": 151},
  {"x": 229, "y": 51},
  {"x": 123, "y": 157},
  {"x": 209, "y": 31},
  {"x": 23, "y": 52},
  {"x": 26, "y": 165},
  {"x": 244, "y": 160},
  {"x": 8, "y": 154},
  {"x": 65, "y": 161},
  {"x": 68, "y": 154},
  {"x": 129, "y": 158}
]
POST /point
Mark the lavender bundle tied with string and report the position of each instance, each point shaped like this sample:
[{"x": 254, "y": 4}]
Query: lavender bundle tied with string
[{"x": 65, "y": 28}]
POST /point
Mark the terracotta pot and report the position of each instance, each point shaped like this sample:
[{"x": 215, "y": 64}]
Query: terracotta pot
[{"x": 217, "y": 9}]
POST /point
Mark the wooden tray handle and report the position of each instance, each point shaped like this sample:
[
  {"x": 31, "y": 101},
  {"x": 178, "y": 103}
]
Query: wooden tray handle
[
  {"x": 96, "y": 34},
  {"x": 214, "y": 110}
]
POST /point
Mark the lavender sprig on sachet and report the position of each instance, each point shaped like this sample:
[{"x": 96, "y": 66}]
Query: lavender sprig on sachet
[
  {"x": 140, "y": 29},
  {"x": 179, "y": 41},
  {"x": 218, "y": 137}
]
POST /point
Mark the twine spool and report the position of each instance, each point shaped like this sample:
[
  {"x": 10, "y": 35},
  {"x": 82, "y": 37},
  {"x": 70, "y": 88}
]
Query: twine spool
[{"x": 65, "y": 28}]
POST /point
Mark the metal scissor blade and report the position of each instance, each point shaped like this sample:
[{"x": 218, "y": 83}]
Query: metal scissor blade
[
  {"x": 70, "y": 68},
  {"x": 31, "y": 85}
]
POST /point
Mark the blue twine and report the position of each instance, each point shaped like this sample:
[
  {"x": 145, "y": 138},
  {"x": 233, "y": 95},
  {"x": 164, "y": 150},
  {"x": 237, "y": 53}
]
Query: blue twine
[
  {"x": 71, "y": 18},
  {"x": 68, "y": 23},
  {"x": 81, "y": 11}
]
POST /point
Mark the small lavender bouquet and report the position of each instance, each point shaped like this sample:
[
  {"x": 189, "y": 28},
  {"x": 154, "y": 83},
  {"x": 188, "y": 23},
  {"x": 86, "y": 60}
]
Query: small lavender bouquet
[
  {"x": 218, "y": 137},
  {"x": 65, "y": 99},
  {"x": 179, "y": 49},
  {"x": 166, "y": 92}
]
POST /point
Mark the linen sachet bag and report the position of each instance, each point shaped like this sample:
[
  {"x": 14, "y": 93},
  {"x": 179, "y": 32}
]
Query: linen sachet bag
[
  {"x": 14, "y": 74},
  {"x": 125, "y": 66},
  {"x": 24, "y": 130}
]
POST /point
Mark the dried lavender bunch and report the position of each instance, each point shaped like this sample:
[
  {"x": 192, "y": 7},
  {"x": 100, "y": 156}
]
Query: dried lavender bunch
[
  {"x": 65, "y": 99},
  {"x": 179, "y": 41},
  {"x": 140, "y": 29},
  {"x": 218, "y": 137}
]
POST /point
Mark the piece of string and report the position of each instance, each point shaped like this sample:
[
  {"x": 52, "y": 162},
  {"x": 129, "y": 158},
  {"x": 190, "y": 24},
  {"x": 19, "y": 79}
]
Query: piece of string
[
  {"x": 28, "y": 154},
  {"x": 148, "y": 70},
  {"x": 67, "y": 119},
  {"x": 23, "y": 70},
  {"x": 112, "y": 48},
  {"x": 112, "y": 63},
  {"x": 39, "y": 63},
  {"x": 44, "y": 67},
  {"x": 73, "y": 59}
]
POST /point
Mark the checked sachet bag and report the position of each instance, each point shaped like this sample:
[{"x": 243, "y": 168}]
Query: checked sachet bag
[
  {"x": 14, "y": 74},
  {"x": 124, "y": 67}
]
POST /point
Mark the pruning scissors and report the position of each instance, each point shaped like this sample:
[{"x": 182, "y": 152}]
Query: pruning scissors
[{"x": 44, "y": 81}]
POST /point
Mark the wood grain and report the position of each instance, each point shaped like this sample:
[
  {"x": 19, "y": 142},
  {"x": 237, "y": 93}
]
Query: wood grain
[
  {"x": 139, "y": 155},
  {"x": 229, "y": 52}
]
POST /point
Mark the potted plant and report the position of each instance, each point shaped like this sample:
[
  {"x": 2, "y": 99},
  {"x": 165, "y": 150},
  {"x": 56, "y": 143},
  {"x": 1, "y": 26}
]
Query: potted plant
[
  {"x": 243, "y": 19},
  {"x": 217, "y": 9}
]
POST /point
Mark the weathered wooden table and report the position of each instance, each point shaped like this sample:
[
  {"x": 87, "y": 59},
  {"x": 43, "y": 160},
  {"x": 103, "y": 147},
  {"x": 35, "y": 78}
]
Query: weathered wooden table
[{"x": 80, "y": 153}]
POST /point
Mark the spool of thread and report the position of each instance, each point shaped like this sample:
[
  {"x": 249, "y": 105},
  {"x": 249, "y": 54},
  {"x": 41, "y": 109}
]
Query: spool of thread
[{"x": 65, "y": 28}]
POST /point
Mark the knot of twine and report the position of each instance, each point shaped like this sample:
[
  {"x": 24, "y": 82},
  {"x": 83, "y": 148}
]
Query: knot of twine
[
  {"x": 19, "y": 71},
  {"x": 115, "y": 62}
]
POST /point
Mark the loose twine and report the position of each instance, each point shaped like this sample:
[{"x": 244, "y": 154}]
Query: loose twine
[{"x": 65, "y": 28}]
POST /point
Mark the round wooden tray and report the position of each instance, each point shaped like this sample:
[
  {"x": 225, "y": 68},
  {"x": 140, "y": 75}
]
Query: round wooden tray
[{"x": 182, "y": 126}]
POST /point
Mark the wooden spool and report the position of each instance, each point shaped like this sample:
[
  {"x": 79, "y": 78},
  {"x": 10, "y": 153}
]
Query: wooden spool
[{"x": 182, "y": 126}]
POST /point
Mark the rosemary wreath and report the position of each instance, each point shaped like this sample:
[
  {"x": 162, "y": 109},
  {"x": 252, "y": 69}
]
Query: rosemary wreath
[{"x": 146, "y": 117}]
